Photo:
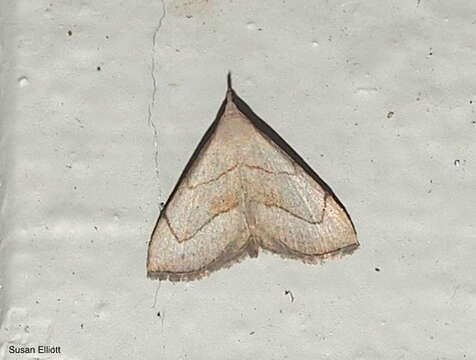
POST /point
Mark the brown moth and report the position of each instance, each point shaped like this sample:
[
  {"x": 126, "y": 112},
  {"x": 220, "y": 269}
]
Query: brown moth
[{"x": 243, "y": 189}]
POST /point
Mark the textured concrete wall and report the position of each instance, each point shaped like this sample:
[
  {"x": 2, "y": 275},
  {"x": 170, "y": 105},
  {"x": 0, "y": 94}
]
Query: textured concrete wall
[{"x": 103, "y": 103}]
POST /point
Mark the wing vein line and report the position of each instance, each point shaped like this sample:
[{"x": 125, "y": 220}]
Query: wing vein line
[
  {"x": 255, "y": 167},
  {"x": 318, "y": 221},
  {"x": 234, "y": 167},
  {"x": 244, "y": 200},
  {"x": 227, "y": 171},
  {"x": 210, "y": 219}
]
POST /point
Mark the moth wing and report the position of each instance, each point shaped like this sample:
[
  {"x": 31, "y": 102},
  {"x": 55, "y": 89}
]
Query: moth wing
[
  {"x": 291, "y": 210},
  {"x": 298, "y": 219},
  {"x": 202, "y": 226}
]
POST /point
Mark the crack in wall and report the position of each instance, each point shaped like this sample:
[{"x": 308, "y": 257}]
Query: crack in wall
[{"x": 153, "y": 97}]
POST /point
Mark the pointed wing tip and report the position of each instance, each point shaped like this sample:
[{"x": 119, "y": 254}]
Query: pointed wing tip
[{"x": 353, "y": 242}]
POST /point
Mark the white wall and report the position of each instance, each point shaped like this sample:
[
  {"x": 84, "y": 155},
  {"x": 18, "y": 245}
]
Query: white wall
[{"x": 82, "y": 190}]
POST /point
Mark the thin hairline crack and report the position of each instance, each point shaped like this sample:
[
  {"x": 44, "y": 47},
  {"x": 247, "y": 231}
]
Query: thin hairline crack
[{"x": 153, "y": 97}]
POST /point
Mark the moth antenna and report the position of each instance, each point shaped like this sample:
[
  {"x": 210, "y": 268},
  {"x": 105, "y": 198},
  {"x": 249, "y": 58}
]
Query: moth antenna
[
  {"x": 229, "y": 90},
  {"x": 228, "y": 80}
]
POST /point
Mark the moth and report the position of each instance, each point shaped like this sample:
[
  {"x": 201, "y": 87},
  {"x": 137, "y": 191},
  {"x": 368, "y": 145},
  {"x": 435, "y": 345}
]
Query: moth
[{"x": 245, "y": 189}]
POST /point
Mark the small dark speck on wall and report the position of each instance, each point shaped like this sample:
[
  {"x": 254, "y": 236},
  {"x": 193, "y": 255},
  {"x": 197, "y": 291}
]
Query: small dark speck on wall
[
  {"x": 98, "y": 68},
  {"x": 70, "y": 33},
  {"x": 377, "y": 269},
  {"x": 291, "y": 295}
]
